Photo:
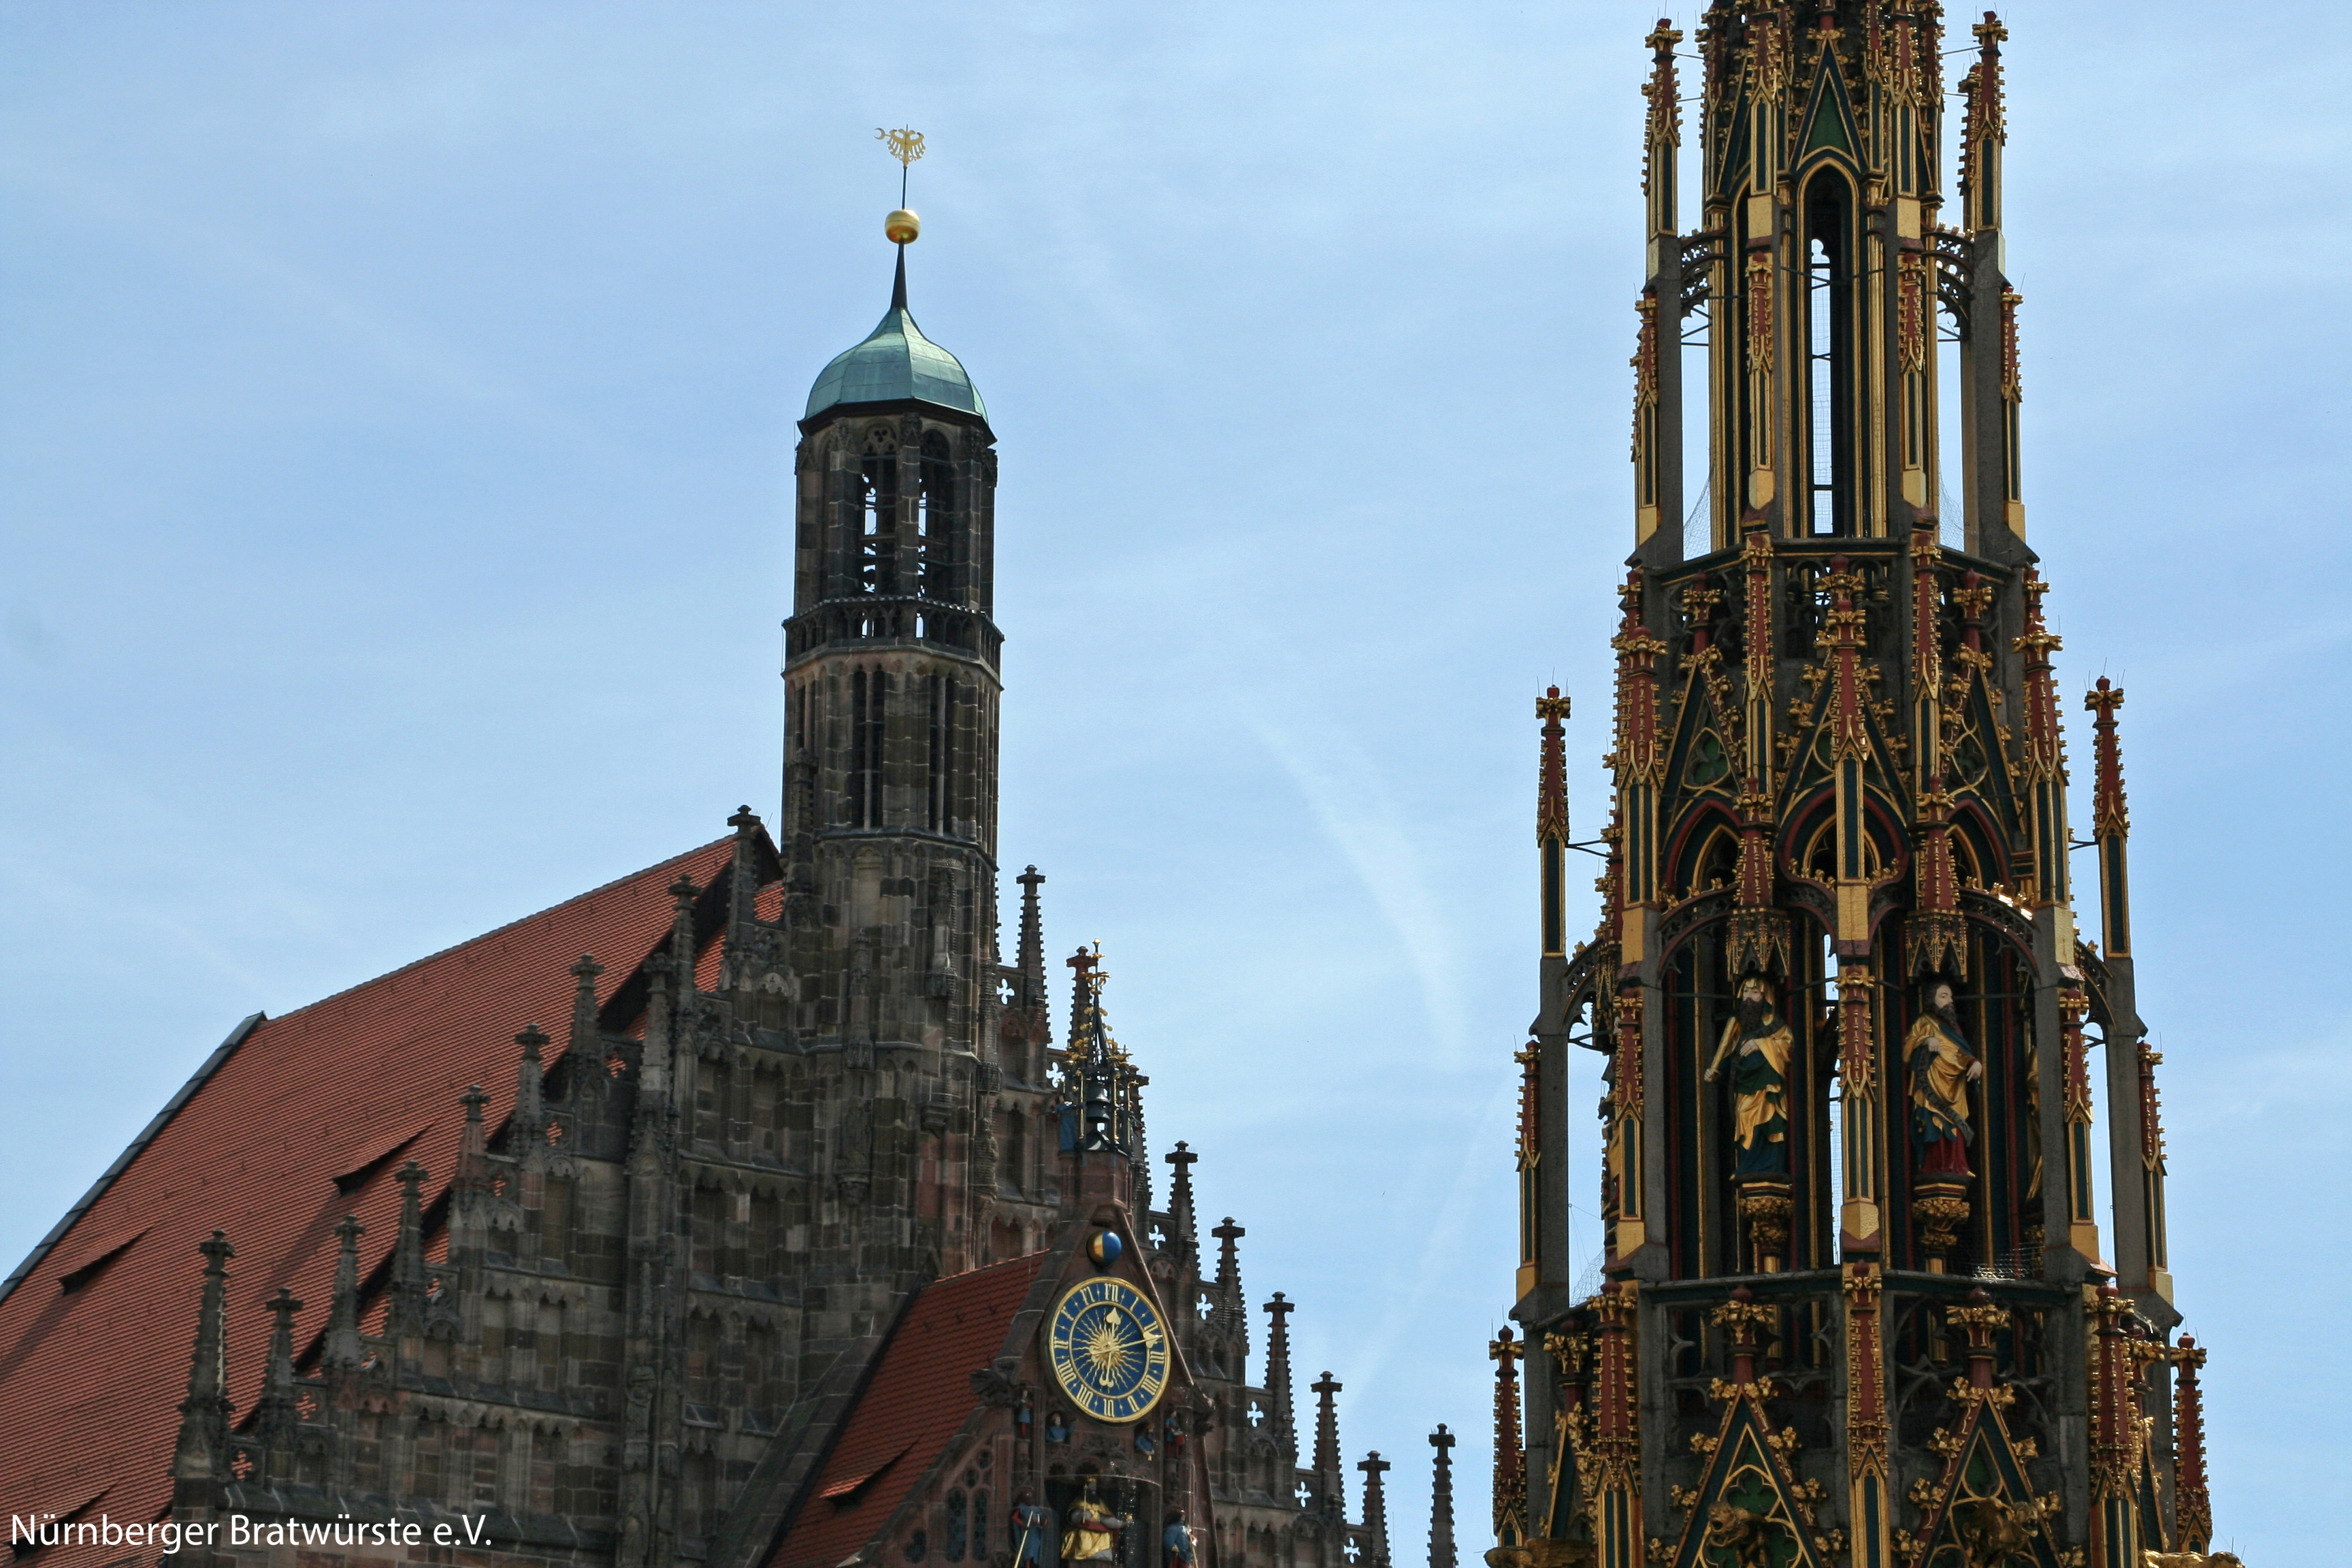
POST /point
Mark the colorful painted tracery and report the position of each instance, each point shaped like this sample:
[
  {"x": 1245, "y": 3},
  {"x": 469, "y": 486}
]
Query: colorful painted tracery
[{"x": 1855, "y": 1279}]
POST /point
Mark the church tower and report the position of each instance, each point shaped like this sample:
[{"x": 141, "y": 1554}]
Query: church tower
[
  {"x": 890, "y": 766},
  {"x": 1857, "y": 1303}
]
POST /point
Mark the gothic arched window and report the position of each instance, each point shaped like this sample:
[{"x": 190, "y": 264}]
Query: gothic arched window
[
  {"x": 1830, "y": 395},
  {"x": 876, "y": 519},
  {"x": 956, "y": 1527},
  {"x": 940, "y": 813},
  {"x": 868, "y": 692},
  {"x": 934, "y": 518}
]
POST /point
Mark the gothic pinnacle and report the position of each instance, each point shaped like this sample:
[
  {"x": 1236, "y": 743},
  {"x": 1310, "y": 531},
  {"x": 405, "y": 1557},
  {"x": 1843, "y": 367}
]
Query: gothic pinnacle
[
  {"x": 1329, "y": 1481},
  {"x": 1440, "y": 1500},
  {"x": 202, "y": 1458}
]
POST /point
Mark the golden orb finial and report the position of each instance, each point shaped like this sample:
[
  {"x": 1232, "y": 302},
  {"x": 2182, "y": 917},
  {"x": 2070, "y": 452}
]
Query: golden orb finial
[{"x": 905, "y": 145}]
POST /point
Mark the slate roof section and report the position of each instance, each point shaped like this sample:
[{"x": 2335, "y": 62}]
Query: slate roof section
[
  {"x": 92, "y": 1378},
  {"x": 917, "y": 1398}
]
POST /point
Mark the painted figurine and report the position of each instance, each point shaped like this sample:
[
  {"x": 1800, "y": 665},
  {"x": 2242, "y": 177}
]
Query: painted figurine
[
  {"x": 1759, "y": 1080},
  {"x": 1942, "y": 1067},
  {"x": 1031, "y": 1528},
  {"x": 1092, "y": 1535},
  {"x": 1176, "y": 1542},
  {"x": 1056, "y": 1429}
]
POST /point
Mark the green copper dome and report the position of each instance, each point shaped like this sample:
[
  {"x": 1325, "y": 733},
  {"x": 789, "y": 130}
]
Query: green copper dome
[{"x": 895, "y": 364}]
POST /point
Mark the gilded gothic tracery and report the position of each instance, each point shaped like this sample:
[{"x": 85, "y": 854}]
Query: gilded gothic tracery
[{"x": 1855, "y": 1285}]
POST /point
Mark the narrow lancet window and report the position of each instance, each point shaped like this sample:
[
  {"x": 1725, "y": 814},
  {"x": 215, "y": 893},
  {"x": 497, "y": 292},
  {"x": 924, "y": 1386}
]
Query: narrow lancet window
[
  {"x": 934, "y": 514},
  {"x": 941, "y": 813},
  {"x": 868, "y": 692},
  {"x": 1831, "y": 399},
  {"x": 876, "y": 520}
]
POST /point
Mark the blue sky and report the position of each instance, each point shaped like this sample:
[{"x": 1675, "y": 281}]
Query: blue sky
[{"x": 395, "y": 412}]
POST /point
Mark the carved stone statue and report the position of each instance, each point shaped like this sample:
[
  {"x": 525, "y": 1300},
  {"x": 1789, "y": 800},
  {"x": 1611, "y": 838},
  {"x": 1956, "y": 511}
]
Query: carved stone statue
[
  {"x": 1758, "y": 1042},
  {"x": 1941, "y": 1065}
]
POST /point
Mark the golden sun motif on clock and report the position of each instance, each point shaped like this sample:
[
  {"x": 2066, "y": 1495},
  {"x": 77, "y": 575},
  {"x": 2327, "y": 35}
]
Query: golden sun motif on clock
[{"x": 1109, "y": 1350}]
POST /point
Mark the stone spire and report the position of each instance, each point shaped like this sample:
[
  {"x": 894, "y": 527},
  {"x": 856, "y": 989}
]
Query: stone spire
[
  {"x": 1441, "y": 1500},
  {"x": 405, "y": 1313},
  {"x": 1376, "y": 1511},
  {"x": 1026, "y": 1027},
  {"x": 1231, "y": 1317},
  {"x": 343, "y": 1350},
  {"x": 1029, "y": 954},
  {"x": 1329, "y": 1481},
  {"x": 200, "y": 1463},
  {"x": 1281, "y": 1416},
  {"x": 683, "y": 894},
  {"x": 743, "y": 871},
  {"x": 473, "y": 1144},
  {"x": 584, "y": 1005},
  {"x": 1183, "y": 1235},
  {"x": 275, "y": 1416},
  {"x": 527, "y": 1126}
]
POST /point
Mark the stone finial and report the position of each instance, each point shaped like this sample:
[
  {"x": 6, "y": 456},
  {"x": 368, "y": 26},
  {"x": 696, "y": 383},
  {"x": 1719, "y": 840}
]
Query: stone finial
[
  {"x": 275, "y": 1416},
  {"x": 1326, "y": 1430},
  {"x": 1440, "y": 1500},
  {"x": 1029, "y": 956},
  {"x": 530, "y": 1117},
  {"x": 683, "y": 894},
  {"x": 405, "y": 1312},
  {"x": 343, "y": 1350},
  {"x": 200, "y": 1462},
  {"x": 1230, "y": 1319},
  {"x": 1183, "y": 1240},
  {"x": 473, "y": 1143},
  {"x": 1376, "y": 1510},
  {"x": 1281, "y": 1417},
  {"x": 583, "y": 1004},
  {"x": 742, "y": 868}
]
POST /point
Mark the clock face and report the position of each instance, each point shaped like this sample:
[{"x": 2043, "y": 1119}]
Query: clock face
[{"x": 1108, "y": 1348}]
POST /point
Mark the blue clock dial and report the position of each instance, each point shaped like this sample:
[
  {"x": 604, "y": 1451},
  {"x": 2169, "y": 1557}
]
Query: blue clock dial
[{"x": 1109, "y": 1350}]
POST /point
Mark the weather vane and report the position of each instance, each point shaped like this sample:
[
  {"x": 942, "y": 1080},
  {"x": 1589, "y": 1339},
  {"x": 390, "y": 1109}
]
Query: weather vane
[{"x": 906, "y": 145}]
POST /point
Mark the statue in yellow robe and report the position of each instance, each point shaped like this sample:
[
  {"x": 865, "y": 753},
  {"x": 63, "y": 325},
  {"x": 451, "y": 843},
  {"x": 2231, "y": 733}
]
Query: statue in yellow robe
[
  {"x": 1941, "y": 1066},
  {"x": 1091, "y": 1537},
  {"x": 1760, "y": 1044}
]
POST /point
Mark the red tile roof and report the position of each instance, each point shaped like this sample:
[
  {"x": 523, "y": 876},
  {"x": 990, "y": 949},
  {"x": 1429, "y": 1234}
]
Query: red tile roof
[
  {"x": 92, "y": 1379},
  {"x": 918, "y": 1395}
]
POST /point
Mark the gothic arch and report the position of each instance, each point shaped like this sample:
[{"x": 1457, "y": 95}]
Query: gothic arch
[{"x": 1691, "y": 858}]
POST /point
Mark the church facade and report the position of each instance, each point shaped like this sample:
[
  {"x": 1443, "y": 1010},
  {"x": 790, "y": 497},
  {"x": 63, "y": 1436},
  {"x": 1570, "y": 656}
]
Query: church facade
[
  {"x": 798, "y": 1242},
  {"x": 1858, "y": 1303}
]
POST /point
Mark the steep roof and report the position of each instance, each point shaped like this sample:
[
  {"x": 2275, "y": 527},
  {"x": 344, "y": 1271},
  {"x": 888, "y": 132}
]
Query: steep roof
[
  {"x": 263, "y": 1144},
  {"x": 920, "y": 1394}
]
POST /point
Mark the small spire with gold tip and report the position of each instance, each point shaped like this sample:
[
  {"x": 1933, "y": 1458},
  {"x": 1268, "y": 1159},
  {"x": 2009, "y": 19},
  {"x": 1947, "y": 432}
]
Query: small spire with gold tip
[{"x": 902, "y": 226}]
